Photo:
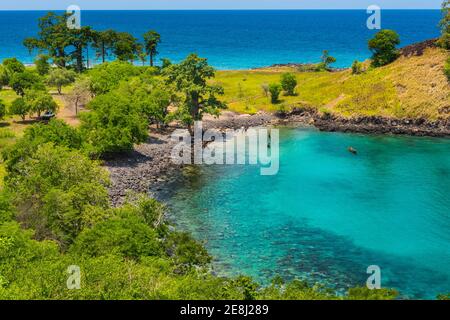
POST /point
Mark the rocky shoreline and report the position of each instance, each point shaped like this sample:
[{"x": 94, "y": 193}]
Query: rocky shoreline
[{"x": 149, "y": 167}]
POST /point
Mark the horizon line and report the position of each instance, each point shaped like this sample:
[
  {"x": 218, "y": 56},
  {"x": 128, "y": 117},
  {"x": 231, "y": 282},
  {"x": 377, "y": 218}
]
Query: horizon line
[{"x": 235, "y": 9}]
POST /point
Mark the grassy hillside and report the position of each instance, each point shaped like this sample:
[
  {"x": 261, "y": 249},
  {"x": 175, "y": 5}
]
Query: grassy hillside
[{"x": 412, "y": 86}]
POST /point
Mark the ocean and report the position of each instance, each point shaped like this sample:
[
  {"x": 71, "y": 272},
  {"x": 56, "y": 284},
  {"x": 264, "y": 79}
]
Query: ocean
[{"x": 240, "y": 39}]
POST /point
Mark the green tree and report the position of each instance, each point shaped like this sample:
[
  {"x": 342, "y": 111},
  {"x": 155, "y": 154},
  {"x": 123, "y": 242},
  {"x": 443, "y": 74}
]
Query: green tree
[
  {"x": 80, "y": 40},
  {"x": 113, "y": 124},
  {"x": 40, "y": 101},
  {"x": 289, "y": 83},
  {"x": 383, "y": 47},
  {"x": 190, "y": 77},
  {"x": 13, "y": 65},
  {"x": 444, "y": 41},
  {"x": 326, "y": 60},
  {"x": 19, "y": 107},
  {"x": 20, "y": 82},
  {"x": 80, "y": 94},
  {"x": 107, "y": 76},
  {"x": 60, "y": 77},
  {"x": 58, "y": 192},
  {"x": 54, "y": 37},
  {"x": 10, "y": 67},
  {"x": 103, "y": 43},
  {"x": 123, "y": 234},
  {"x": 126, "y": 47},
  {"x": 357, "y": 67},
  {"x": 2, "y": 109},
  {"x": 151, "y": 40},
  {"x": 55, "y": 131},
  {"x": 42, "y": 65},
  {"x": 275, "y": 90}
]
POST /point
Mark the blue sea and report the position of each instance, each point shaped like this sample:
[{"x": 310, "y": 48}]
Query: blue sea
[
  {"x": 328, "y": 214},
  {"x": 240, "y": 39}
]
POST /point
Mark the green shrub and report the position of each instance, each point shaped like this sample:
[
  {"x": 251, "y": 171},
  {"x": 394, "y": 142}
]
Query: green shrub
[
  {"x": 60, "y": 77},
  {"x": 20, "y": 108},
  {"x": 113, "y": 124},
  {"x": 357, "y": 67},
  {"x": 289, "y": 83},
  {"x": 42, "y": 65},
  {"x": 2, "y": 109},
  {"x": 383, "y": 47},
  {"x": 275, "y": 90}
]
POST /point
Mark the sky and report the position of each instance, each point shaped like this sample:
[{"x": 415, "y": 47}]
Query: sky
[{"x": 215, "y": 4}]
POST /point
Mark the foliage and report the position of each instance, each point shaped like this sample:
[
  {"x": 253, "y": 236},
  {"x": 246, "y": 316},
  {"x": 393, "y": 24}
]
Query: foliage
[
  {"x": 19, "y": 107},
  {"x": 151, "y": 41},
  {"x": 444, "y": 40},
  {"x": 289, "y": 83},
  {"x": 80, "y": 93},
  {"x": 357, "y": 67},
  {"x": 383, "y": 47},
  {"x": 56, "y": 132},
  {"x": 125, "y": 47},
  {"x": 40, "y": 101},
  {"x": 103, "y": 43},
  {"x": 2, "y": 109},
  {"x": 326, "y": 60},
  {"x": 58, "y": 192},
  {"x": 113, "y": 124},
  {"x": 152, "y": 96},
  {"x": 22, "y": 81},
  {"x": 447, "y": 68},
  {"x": 363, "y": 293},
  {"x": 191, "y": 78},
  {"x": 275, "y": 90},
  {"x": 42, "y": 65},
  {"x": 107, "y": 76},
  {"x": 60, "y": 77}
]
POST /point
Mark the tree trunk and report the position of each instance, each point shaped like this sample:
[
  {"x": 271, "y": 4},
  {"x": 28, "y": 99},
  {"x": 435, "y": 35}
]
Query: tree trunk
[
  {"x": 103, "y": 52},
  {"x": 151, "y": 60}
]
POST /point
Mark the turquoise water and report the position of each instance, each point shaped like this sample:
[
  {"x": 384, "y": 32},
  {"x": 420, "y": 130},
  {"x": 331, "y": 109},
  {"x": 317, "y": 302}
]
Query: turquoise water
[
  {"x": 328, "y": 214},
  {"x": 239, "y": 39}
]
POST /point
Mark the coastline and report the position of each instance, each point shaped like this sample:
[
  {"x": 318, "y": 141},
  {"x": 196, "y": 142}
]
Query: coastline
[{"x": 148, "y": 169}]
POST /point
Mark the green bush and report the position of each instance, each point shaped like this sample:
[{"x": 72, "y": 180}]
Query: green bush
[
  {"x": 42, "y": 65},
  {"x": 289, "y": 83},
  {"x": 58, "y": 192},
  {"x": 275, "y": 90},
  {"x": 107, "y": 76},
  {"x": 20, "y": 108},
  {"x": 60, "y": 77},
  {"x": 383, "y": 47},
  {"x": 20, "y": 82},
  {"x": 113, "y": 124},
  {"x": 2, "y": 109},
  {"x": 357, "y": 67}
]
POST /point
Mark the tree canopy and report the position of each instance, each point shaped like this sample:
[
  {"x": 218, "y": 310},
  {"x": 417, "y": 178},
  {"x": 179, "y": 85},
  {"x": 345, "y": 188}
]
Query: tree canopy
[{"x": 383, "y": 46}]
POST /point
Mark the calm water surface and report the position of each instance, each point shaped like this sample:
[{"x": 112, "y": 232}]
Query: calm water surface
[{"x": 328, "y": 214}]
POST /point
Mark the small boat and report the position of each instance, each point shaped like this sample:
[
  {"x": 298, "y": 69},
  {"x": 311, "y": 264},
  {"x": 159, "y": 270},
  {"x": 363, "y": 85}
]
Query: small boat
[{"x": 352, "y": 150}]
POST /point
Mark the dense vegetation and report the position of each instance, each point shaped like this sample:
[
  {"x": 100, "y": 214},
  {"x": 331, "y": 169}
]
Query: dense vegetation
[
  {"x": 54, "y": 213},
  {"x": 54, "y": 204}
]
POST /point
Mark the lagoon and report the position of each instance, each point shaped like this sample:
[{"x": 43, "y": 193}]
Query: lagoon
[{"x": 328, "y": 214}]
